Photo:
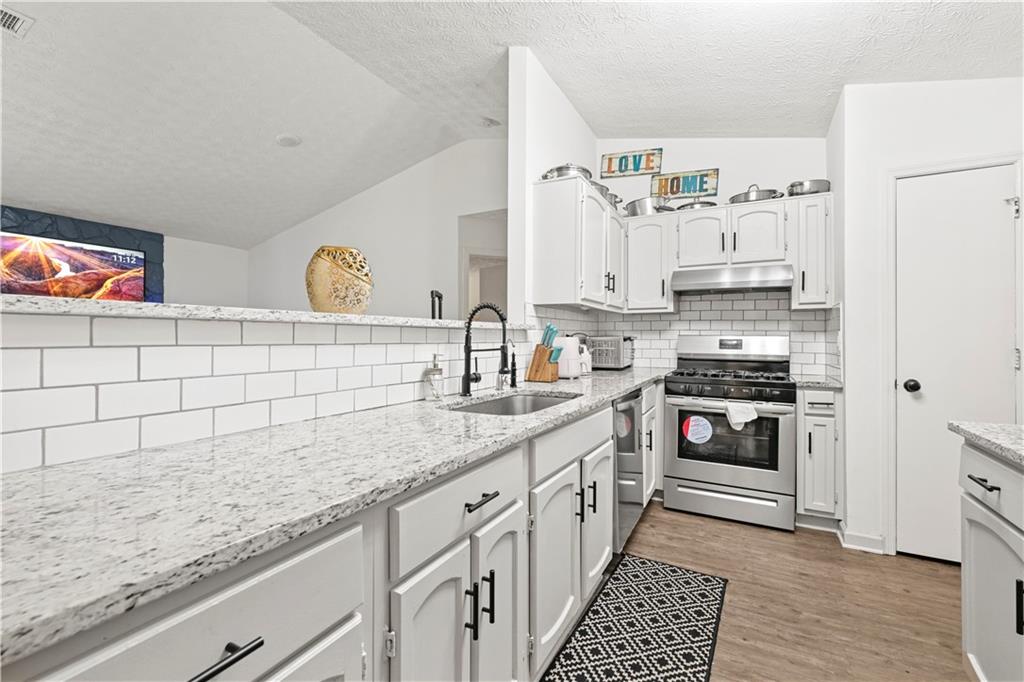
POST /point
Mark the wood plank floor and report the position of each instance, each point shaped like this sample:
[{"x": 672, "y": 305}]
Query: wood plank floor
[{"x": 800, "y": 607}]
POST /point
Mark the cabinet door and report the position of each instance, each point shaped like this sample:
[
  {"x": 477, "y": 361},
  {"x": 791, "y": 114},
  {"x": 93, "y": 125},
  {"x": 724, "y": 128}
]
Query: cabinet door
[
  {"x": 593, "y": 242},
  {"x": 817, "y": 490},
  {"x": 701, "y": 237},
  {"x": 650, "y": 436},
  {"x": 554, "y": 560},
  {"x": 811, "y": 288},
  {"x": 339, "y": 655},
  {"x": 646, "y": 264},
  {"x": 598, "y": 530},
  {"x": 758, "y": 233},
  {"x": 616, "y": 260},
  {"x": 992, "y": 584},
  {"x": 429, "y": 612},
  {"x": 499, "y": 567}
]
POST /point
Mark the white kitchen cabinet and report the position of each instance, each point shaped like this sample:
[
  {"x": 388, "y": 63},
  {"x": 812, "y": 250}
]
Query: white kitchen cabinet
[
  {"x": 338, "y": 655},
  {"x": 429, "y": 614},
  {"x": 652, "y": 451},
  {"x": 594, "y": 248},
  {"x": 597, "y": 527},
  {"x": 648, "y": 267},
  {"x": 499, "y": 567},
  {"x": 701, "y": 237},
  {"x": 617, "y": 283},
  {"x": 757, "y": 232},
  {"x": 817, "y": 491},
  {"x": 555, "y": 593},
  {"x": 815, "y": 263},
  {"x": 992, "y": 585}
]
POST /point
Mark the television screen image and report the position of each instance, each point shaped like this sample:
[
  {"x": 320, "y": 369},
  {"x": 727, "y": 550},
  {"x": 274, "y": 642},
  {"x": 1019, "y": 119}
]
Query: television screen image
[{"x": 39, "y": 266}]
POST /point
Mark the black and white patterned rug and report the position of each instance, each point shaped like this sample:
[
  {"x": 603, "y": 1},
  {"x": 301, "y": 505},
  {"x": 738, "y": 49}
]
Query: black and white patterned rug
[{"x": 651, "y": 621}]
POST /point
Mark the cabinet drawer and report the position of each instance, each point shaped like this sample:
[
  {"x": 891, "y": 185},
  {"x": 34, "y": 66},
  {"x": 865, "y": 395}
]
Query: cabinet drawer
[
  {"x": 630, "y": 487},
  {"x": 1008, "y": 501},
  {"x": 336, "y": 656},
  {"x": 649, "y": 398},
  {"x": 287, "y": 605},
  {"x": 818, "y": 402},
  {"x": 422, "y": 526},
  {"x": 553, "y": 450}
]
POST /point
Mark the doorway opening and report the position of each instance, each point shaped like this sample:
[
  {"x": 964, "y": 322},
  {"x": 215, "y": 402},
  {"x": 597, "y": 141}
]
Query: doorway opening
[{"x": 483, "y": 262}]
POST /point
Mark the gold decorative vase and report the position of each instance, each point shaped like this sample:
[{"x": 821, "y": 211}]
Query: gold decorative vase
[{"x": 338, "y": 280}]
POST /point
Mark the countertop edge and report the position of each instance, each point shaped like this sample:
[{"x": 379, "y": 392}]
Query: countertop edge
[
  {"x": 52, "y": 629},
  {"x": 1003, "y": 441}
]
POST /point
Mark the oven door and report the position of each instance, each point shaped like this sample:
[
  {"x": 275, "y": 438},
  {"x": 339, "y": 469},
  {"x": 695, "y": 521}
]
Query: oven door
[{"x": 702, "y": 446}]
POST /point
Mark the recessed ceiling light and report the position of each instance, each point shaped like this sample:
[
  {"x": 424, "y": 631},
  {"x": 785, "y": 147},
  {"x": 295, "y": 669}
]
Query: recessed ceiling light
[
  {"x": 286, "y": 140},
  {"x": 488, "y": 122}
]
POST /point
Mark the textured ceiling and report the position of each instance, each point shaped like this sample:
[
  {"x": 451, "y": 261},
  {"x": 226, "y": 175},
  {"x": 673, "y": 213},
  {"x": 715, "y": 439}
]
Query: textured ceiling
[
  {"x": 163, "y": 115},
  {"x": 673, "y": 69}
]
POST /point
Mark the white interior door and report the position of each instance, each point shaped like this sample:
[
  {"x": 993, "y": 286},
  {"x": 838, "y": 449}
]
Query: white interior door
[{"x": 955, "y": 336}]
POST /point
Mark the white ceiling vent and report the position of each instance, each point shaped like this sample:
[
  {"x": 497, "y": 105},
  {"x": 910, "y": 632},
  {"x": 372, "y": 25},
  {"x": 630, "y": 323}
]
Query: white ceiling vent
[{"x": 15, "y": 23}]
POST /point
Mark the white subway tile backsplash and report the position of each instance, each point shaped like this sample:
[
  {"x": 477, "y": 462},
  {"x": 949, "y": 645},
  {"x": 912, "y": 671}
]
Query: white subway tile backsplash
[
  {"x": 72, "y": 366},
  {"x": 370, "y": 355},
  {"x": 437, "y": 335},
  {"x": 417, "y": 334},
  {"x": 386, "y": 335},
  {"x": 243, "y": 417},
  {"x": 266, "y": 386},
  {"x": 387, "y": 374},
  {"x": 286, "y": 410},
  {"x": 129, "y": 331},
  {"x": 316, "y": 381},
  {"x": 354, "y": 377},
  {"x": 165, "y": 429},
  {"x": 20, "y": 368},
  {"x": 34, "y": 408},
  {"x": 314, "y": 333},
  {"x": 167, "y": 362},
  {"x": 399, "y": 352},
  {"x": 369, "y": 398},
  {"x": 71, "y": 443},
  {"x": 254, "y": 333},
  {"x": 400, "y": 393},
  {"x": 209, "y": 332},
  {"x": 339, "y": 402},
  {"x": 240, "y": 359},
  {"x": 43, "y": 331},
  {"x": 138, "y": 398},
  {"x": 334, "y": 356},
  {"x": 353, "y": 334},
  {"x": 292, "y": 357},
  {"x": 22, "y": 450},
  {"x": 212, "y": 391}
]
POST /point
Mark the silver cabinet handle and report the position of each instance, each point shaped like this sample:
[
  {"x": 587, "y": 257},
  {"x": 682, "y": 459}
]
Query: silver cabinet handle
[
  {"x": 236, "y": 654},
  {"x": 983, "y": 482}
]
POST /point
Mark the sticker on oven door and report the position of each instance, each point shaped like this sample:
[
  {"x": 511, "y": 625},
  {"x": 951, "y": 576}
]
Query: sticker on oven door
[
  {"x": 623, "y": 424},
  {"x": 697, "y": 430}
]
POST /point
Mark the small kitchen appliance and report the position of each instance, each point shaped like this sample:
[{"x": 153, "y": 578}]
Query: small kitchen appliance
[
  {"x": 730, "y": 433},
  {"x": 611, "y": 352}
]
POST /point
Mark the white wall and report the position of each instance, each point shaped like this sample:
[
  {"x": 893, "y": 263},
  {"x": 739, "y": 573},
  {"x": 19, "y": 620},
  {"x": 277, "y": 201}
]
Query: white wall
[
  {"x": 406, "y": 226},
  {"x": 886, "y": 128},
  {"x": 205, "y": 274},
  {"x": 545, "y": 130},
  {"x": 768, "y": 162}
]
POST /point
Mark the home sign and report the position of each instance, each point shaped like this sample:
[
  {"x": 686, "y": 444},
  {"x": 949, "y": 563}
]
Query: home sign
[
  {"x": 687, "y": 184},
  {"x": 622, "y": 164}
]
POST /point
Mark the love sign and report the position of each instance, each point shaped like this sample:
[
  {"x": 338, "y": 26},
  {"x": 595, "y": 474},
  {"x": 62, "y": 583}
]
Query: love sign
[
  {"x": 621, "y": 164},
  {"x": 701, "y": 183}
]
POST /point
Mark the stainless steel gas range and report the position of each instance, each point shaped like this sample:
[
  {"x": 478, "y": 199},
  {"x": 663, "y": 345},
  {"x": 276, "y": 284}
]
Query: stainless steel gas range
[{"x": 730, "y": 439}]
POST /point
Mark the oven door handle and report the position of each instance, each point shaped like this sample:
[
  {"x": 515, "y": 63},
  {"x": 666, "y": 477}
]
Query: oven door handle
[{"x": 762, "y": 409}]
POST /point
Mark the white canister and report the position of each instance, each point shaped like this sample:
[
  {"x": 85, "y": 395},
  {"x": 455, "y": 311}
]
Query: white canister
[{"x": 570, "y": 365}]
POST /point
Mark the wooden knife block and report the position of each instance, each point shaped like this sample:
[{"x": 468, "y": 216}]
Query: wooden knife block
[{"x": 541, "y": 368}]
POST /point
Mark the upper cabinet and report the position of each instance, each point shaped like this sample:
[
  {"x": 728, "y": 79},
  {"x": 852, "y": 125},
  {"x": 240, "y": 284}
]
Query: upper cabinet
[
  {"x": 648, "y": 266},
  {"x": 701, "y": 237},
  {"x": 616, "y": 263},
  {"x": 814, "y": 266},
  {"x": 758, "y": 232},
  {"x": 595, "y": 280}
]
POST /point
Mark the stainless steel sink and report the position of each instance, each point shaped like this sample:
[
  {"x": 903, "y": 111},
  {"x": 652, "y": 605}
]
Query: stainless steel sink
[{"x": 520, "y": 403}]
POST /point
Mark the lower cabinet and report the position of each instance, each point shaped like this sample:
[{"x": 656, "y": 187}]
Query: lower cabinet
[
  {"x": 652, "y": 451},
  {"x": 430, "y": 616},
  {"x": 819, "y": 465},
  {"x": 555, "y": 592},
  {"x": 597, "y": 520},
  {"x": 339, "y": 655},
  {"x": 992, "y": 584}
]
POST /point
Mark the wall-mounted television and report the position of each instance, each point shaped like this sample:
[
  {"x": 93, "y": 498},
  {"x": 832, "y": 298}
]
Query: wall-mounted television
[{"x": 40, "y": 266}]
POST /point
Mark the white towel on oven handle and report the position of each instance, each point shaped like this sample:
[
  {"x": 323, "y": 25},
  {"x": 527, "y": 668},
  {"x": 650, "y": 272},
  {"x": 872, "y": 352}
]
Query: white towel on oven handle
[{"x": 739, "y": 414}]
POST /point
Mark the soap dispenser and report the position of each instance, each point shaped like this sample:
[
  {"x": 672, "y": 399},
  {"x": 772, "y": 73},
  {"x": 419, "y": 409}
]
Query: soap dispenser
[{"x": 433, "y": 376}]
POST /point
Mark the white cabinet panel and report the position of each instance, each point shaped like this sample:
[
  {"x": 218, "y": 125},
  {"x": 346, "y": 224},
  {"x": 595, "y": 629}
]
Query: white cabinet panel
[
  {"x": 649, "y": 434},
  {"x": 616, "y": 261},
  {"x": 817, "y": 489},
  {"x": 429, "y": 613},
  {"x": 554, "y": 560},
  {"x": 758, "y": 233},
  {"x": 598, "y": 470},
  {"x": 499, "y": 560},
  {"x": 647, "y": 268},
  {"x": 992, "y": 581},
  {"x": 593, "y": 249},
  {"x": 337, "y": 656},
  {"x": 812, "y": 287},
  {"x": 702, "y": 236}
]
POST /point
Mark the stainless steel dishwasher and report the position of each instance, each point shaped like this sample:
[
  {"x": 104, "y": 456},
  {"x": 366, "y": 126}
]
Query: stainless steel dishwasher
[{"x": 629, "y": 467}]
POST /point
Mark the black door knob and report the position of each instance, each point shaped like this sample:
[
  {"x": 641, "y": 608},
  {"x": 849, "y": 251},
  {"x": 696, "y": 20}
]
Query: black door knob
[{"x": 912, "y": 385}]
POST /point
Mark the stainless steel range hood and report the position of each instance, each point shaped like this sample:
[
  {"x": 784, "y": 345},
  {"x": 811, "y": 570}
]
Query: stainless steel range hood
[{"x": 734, "y": 277}]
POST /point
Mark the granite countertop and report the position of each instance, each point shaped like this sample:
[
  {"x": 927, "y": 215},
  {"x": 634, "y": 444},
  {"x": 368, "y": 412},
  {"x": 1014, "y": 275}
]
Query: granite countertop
[
  {"x": 816, "y": 381},
  {"x": 45, "y": 305},
  {"x": 87, "y": 541},
  {"x": 1004, "y": 441}
]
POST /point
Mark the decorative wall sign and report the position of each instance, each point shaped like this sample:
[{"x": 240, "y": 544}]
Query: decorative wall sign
[
  {"x": 622, "y": 164},
  {"x": 687, "y": 184}
]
